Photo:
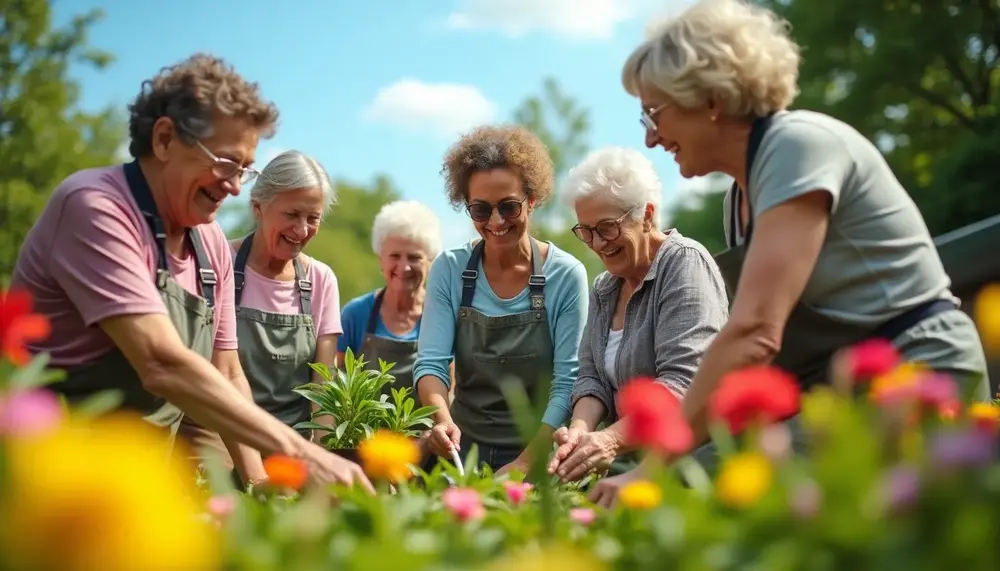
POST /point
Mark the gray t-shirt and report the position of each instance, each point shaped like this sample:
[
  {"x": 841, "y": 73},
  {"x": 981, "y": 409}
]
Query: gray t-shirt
[{"x": 878, "y": 259}]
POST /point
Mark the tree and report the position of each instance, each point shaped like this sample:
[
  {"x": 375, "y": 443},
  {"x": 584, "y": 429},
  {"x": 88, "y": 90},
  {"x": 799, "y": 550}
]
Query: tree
[
  {"x": 44, "y": 137},
  {"x": 699, "y": 217},
  {"x": 919, "y": 78}
]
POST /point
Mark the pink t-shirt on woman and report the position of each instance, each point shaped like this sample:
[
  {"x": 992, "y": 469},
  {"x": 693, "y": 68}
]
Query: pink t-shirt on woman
[
  {"x": 91, "y": 256},
  {"x": 274, "y": 296}
]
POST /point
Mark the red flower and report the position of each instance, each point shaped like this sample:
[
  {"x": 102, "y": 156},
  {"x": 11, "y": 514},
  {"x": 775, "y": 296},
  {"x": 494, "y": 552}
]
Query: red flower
[
  {"x": 755, "y": 395},
  {"x": 18, "y": 326},
  {"x": 871, "y": 358},
  {"x": 653, "y": 418}
]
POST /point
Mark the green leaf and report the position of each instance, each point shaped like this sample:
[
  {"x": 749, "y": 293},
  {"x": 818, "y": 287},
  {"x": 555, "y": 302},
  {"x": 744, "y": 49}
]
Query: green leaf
[{"x": 99, "y": 404}]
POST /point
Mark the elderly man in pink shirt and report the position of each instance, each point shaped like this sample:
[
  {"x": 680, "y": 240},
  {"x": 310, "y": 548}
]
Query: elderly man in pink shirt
[{"x": 137, "y": 277}]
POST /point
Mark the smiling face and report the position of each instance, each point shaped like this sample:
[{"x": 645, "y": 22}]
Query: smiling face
[
  {"x": 502, "y": 191},
  {"x": 404, "y": 263},
  {"x": 617, "y": 237},
  {"x": 193, "y": 193},
  {"x": 289, "y": 221},
  {"x": 689, "y": 134}
]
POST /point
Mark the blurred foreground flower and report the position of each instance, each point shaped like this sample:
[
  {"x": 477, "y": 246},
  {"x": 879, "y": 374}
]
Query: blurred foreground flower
[
  {"x": 102, "y": 496},
  {"x": 755, "y": 395},
  {"x": 550, "y": 558},
  {"x": 640, "y": 495},
  {"x": 26, "y": 413},
  {"x": 744, "y": 479},
  {"x": 985, "y": 416},
  {"x": 517, "y": 492},
  {"x": 582, "y": 516},
  {"x": 653, "y": 418},
  {"x": 388, "y": 456},
  {"x": 285, "y": 472},
  {"x": 19, "y": 326},
  {"x": 986, "y": 313},
  {"x": 464, "y": 503},
  {"x": 871, "y": 358}
]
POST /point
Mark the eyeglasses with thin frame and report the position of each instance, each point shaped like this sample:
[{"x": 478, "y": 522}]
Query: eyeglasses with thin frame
[
  {"x": 647, "y": 119},
  {"x": 508, "y": 209},
  {"x": 226, "y": 169},
  {"x": 608, "y": 230}
]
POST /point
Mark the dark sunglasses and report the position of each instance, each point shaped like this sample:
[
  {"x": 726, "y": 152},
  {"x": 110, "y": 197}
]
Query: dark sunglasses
[
  {"x": 482, "y": 211},
  {"x": 608, "y": 230}
]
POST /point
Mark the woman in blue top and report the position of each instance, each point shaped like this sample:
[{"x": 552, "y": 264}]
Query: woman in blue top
[
  {"x": 384, "y": 324},
  {"x": 503, "y": 307}
]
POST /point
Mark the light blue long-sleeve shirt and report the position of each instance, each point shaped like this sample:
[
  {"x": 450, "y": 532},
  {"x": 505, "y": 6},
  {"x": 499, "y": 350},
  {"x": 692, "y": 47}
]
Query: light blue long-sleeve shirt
[{"x": 566, "y": 299}]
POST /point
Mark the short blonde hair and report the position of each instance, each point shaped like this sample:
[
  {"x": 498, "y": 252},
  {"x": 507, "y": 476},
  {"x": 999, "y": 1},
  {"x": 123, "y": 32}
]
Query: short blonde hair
[
  {"x": 736, "y": 53},
  {"x": 410, "y": 220}
]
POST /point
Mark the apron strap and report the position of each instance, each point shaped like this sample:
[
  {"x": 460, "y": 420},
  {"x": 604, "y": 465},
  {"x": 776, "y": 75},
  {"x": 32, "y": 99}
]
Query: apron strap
[
  {"x": 305, "y": 287},
  {"x": 470, "y": 274},
  {"x": 757, "y": 130},
  {"x": 536, "y": 281},
  {"x": 140, "y": 190},
  {"x": 376, "y": 308},
  {"x": 240, "y": 266}
]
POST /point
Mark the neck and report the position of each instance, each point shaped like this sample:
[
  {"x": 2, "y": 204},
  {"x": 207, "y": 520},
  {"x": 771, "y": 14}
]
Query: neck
[
  {"x": 653, "y": 243},
  {"x": 732, "y": 151},
  {"x": 262, "y": 261},
  {"x": 508, "y": 257},
  {"x": 403, "y": 300},
  {"x": 154, "y": 178}
]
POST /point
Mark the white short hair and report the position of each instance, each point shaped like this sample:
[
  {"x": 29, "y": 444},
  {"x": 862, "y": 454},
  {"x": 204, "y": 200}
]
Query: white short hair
[
  {"x": 625, "y": 176},
  {"x": 730, "y": 50},
  {"x": 292, "y": 170},
  {"x": 410, "y": 220}
]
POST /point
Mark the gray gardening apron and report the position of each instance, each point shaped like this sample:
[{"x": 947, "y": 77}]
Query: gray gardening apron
[
  {"x": 402, "y": 353},
  {"x": 191, "y": 315},
  {"x": 810, "y": 338},
  {"x": 490, "y": 350},
  {"x": 275, "y": 350}
]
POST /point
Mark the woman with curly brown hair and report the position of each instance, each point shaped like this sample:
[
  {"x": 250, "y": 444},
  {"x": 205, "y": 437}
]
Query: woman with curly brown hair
[
  {"x": 503, "y": 307},
  {"x": 137, "y": 278}
]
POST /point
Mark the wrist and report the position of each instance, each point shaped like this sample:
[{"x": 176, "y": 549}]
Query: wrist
[
  {"x": 615, "y": 436},
  {"x": 579, "y": 424}
]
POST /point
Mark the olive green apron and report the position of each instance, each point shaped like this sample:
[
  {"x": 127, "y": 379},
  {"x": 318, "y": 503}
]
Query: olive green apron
[
  {"x": 491, "y": 350},
  {"x": 402, "y": 353},
  {"x": 810, "y": 338},
  {"x": 275, "y": 350},
  {"x": 192, "y": 316}
]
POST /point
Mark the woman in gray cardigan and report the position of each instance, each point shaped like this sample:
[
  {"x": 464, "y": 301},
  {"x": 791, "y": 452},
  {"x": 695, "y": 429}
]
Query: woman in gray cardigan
[{"x": 653, "y": 313}]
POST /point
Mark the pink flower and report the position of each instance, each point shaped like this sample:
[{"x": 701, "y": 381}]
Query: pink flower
[
  {"x": 775, "y": 441},
  {"x": 517, "y": 492},
  {"x": 871, "y": 358},
  {"x": 27, "y": 413},
  {"x": 464, "y": 503},
  {"x": 582, "y": 516},
  {"x": 221, "y": 506}
]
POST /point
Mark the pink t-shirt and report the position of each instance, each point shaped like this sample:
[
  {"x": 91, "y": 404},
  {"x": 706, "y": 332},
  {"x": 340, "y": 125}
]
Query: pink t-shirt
[
  {"x": 91, "y": 256},
  {"x": 274, "y": 296}
]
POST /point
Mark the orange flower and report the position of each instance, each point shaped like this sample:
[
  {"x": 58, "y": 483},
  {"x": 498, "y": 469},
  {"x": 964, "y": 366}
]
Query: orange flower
[
  {"x": 285, "y": 472},
  {"x": 18, "y": 326},
  {"x": 755, "y": 395},
  {"x": 985, "y": 416},
  {"x": 653, "y": 418}
]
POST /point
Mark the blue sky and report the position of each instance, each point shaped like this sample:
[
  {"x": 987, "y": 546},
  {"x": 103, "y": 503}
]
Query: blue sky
[{"x": 386, "y": 86}]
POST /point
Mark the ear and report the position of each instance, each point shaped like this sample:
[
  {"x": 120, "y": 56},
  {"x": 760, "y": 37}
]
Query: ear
[
  {"x": 164, "y": 135},
  {"x": 255, "y": 209},
  {"x": 647, "y": 218}
]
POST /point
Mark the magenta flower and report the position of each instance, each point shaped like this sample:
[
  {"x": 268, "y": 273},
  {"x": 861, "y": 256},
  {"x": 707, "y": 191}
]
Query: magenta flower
[
  {"x": 582, "y": 516},
  {"x": 27, "y": 413},
  {"x": 221, "y": 506},
  {"x": 900, "y": 488},
  {"x": 464, "y": 503},
  {"x": 517, "y": 492}
]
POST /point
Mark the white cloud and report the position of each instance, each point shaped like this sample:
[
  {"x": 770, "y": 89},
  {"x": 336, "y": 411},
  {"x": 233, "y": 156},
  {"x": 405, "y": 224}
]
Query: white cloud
[
  {"x": 442, "y": 109},
  {"x": 575, "y": 19}
]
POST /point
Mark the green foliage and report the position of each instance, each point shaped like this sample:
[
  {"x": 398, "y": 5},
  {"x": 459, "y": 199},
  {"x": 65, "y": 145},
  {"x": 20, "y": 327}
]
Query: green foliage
[
  {"x": 353, "y": 397},
  {"x": 700, "y": 218},
  {"x": 43, "y": 136}
]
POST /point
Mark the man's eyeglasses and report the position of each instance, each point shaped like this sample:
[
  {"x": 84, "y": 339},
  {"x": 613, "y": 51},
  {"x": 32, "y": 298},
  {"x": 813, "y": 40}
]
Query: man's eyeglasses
[
  {"x": 647, "y": 118},
  {"x": 508, "y": 209},
  {"x": 608, "y": 230},
  {"x": 226, "y": 169}
]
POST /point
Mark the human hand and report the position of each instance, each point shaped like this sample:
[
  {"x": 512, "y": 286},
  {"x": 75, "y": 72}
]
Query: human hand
[
  {"x": 566, "y": 439},
  {"x": 520, "y": 464},
  {"x": 444, "y": 438},
  {"x": 592, "y": 452},
  {"x": 326, "y": 467},
  {"x": 605, "y": 491}
]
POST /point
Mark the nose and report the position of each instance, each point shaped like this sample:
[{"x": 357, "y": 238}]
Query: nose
[
  {"x": 651, "y": 139},
  {"x": 598, "y": 243},
  {"x": 231, "y": 186},
  {"x": 495, "y": 219}
]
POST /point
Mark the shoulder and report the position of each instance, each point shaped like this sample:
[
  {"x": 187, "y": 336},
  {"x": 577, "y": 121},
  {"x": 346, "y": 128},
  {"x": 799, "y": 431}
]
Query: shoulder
[
  {"x": 96, "y": 189},
  {"x": 453, "y": 260},
  {"x": 802, "y": 128},
  {"x": 684, "y": 259},
  {"x": 359, "y": 306},
  {"x": 561, "y": 263},
  {"x": 319, "y": 272}
]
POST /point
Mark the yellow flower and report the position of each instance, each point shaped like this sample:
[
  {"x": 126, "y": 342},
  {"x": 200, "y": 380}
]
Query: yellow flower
[
  {"x": 744, "y": 479},
  {"x": 986, "y": 312},
  {"x": 985, "y": 415},
  {"x": 884, "y": 387},
  {"x": 549, "y": 558},
  {"x": 640, "y": 495},
  {"x": 102, "y": 496},
  {"x": 388, "y": 456},
  {"x": 819, "y": 409}
]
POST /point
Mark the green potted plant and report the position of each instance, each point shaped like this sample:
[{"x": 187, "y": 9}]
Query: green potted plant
[{"x": 353, "y": 398}]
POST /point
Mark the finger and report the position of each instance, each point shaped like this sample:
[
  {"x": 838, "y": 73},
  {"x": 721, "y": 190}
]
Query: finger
[
  {"x": 456, "y": 436},
  {"x": 579, "y": 455},
  {"x": 558, "y": 456},
  {"x": 581, "y": 469},
  {"x": 560, "y": 435},
  {"x": 361, "y": 478},
  {"x": 595, "y": 494}
]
